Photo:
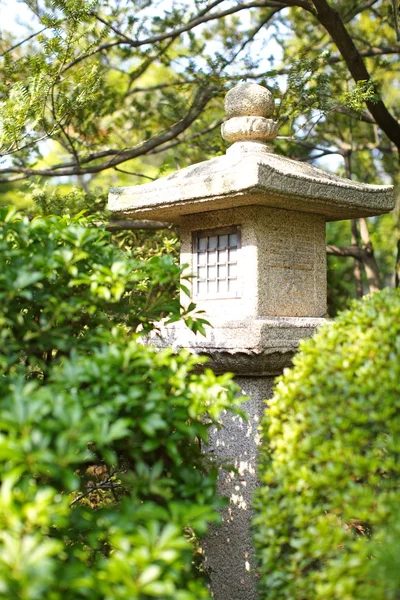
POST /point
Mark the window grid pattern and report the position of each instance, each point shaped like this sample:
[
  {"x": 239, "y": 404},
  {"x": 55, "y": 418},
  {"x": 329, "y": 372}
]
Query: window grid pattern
[{"x": 216, "y": 254}]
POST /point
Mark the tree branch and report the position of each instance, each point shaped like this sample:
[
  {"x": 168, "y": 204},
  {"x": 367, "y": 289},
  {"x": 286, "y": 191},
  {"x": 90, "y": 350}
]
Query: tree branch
[
  {"x": 190, "y": 137},
  {"x": 353, "y": 251},
  {"x": 364, "y": 254},
  {"x": 134, "y": 174},
  {"x": 397, "y": 267},
  {"x": 357, "y": 267},
  {"x": 200, "y": 19},
  {"x": 252, "y": 35},
  {"x": 108, "y": 484},
  {"x": 202, "y": 98},
  {"x": 371, "y": 266},
  {"x": 308, "y": 145},
  {"x": 330, "y": 19},
  {"x": 344, "y": 110},
  {"x": 131, "y": 225},
  {"x": 22, "y": 42},
  {"x": 373, "y": 51},
  {"x": 356, "y": 10}
]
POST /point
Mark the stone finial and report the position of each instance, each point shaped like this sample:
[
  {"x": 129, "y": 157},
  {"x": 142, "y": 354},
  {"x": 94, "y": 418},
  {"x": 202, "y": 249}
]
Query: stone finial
[{"x": 249, "y": 106}]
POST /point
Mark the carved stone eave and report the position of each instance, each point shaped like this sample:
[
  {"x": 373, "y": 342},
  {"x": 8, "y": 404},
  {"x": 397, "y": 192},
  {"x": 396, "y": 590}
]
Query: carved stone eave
[
  {"x": 250, "y": 174},
  {"x": 252, "y": 347}
]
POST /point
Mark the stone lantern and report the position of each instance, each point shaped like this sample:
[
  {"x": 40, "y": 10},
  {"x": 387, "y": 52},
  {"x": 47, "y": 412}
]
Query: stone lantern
[{"x": 253, "y": 234}]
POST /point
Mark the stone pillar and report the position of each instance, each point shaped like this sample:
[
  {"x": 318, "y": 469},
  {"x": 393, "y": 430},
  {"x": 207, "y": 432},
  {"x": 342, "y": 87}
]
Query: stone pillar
[
  {"x": 256, "y": 350},
  {"x": 252, "y": 229},
  {"x": 229, "y": 554}
]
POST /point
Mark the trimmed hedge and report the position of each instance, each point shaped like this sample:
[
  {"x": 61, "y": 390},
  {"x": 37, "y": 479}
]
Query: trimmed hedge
[{"x": 330, "y": 469}]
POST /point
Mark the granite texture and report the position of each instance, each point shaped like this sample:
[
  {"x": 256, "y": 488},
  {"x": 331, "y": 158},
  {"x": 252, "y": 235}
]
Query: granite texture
[
  {"x": 247, "y": 105},
  {"x": 281, "y": 265},
  {"x": 249, "y": 99},
  {"x": 240, "y": 129},
  {"x": 251, "y": 175},
  {"x": 250, "y": 347},
  {"x": 229, "y": 554}
]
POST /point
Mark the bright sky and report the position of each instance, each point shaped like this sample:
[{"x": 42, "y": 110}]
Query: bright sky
[{"x": 15, "y": 16}]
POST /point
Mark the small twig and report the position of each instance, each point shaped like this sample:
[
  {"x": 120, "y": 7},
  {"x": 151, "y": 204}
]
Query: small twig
[
  {"x": 22, "y": 42},
  {"x": 130, "y": 225},
  {"x": 108, "y": 484},
  {"x": 135, "y": 174}
]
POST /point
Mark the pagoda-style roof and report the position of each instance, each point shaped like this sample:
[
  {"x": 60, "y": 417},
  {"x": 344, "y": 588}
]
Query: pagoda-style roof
[{"x": 251, "y": 174}]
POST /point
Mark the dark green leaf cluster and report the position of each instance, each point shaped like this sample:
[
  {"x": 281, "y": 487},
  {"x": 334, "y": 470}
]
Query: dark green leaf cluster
[
  {"x": 104, "y": 488},
  {"x": 55, "y": 201},
  {"x": 103, "y": 481},
  {"x": 365, "y": 91},
  {"x": 330, "y": 470},
  {"x": 64, "y": 285},
  {"x": 310, "y": 84}
]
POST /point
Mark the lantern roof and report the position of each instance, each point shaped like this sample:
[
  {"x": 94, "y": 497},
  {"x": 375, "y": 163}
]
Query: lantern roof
[{"x": 251, "y": 174}]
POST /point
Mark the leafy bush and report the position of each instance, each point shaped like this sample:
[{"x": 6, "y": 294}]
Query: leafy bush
[
  {"x": 330, "y": 470},
  {"x": 101, "y": 481},
  {"x": 104, "y": 490},
  {"x": 386, "y": 567},
  {"x": 142, "y": 243},
  {"x": 63, "y": 285}
]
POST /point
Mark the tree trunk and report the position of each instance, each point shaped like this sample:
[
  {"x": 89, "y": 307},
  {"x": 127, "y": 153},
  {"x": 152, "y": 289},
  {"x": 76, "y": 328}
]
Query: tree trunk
[
  {"x": 330, "y": 19},
  {"x": 357, "y": 269},
  {"x": 371, "y": 266}
]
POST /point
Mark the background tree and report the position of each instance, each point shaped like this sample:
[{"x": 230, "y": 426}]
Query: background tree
[{"x": 102, "y": 93}]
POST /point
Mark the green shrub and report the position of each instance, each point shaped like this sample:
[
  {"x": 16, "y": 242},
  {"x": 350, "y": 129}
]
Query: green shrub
[
  {"x": 64, "y": 285},
  {"x": 386, "y": 567},
  {"x": 103, "y": 482},
  {"x": 104, "y": 490},
  {"x": 330, "y": 469}
]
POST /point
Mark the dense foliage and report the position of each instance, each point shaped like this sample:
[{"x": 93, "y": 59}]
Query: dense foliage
[
  {"x": 326, "y": 509},
  {"x": 64, "y": 285},
  {"x": 104, "y": 490}
]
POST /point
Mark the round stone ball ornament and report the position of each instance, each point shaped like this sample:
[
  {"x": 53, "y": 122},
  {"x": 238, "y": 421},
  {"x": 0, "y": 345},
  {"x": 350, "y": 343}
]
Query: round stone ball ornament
[{"x": 249, "y": 107}]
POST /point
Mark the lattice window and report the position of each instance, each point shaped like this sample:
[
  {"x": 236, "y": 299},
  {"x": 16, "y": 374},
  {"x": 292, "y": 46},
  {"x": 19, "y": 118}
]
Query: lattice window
[{"x": 216, "y": 262}]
